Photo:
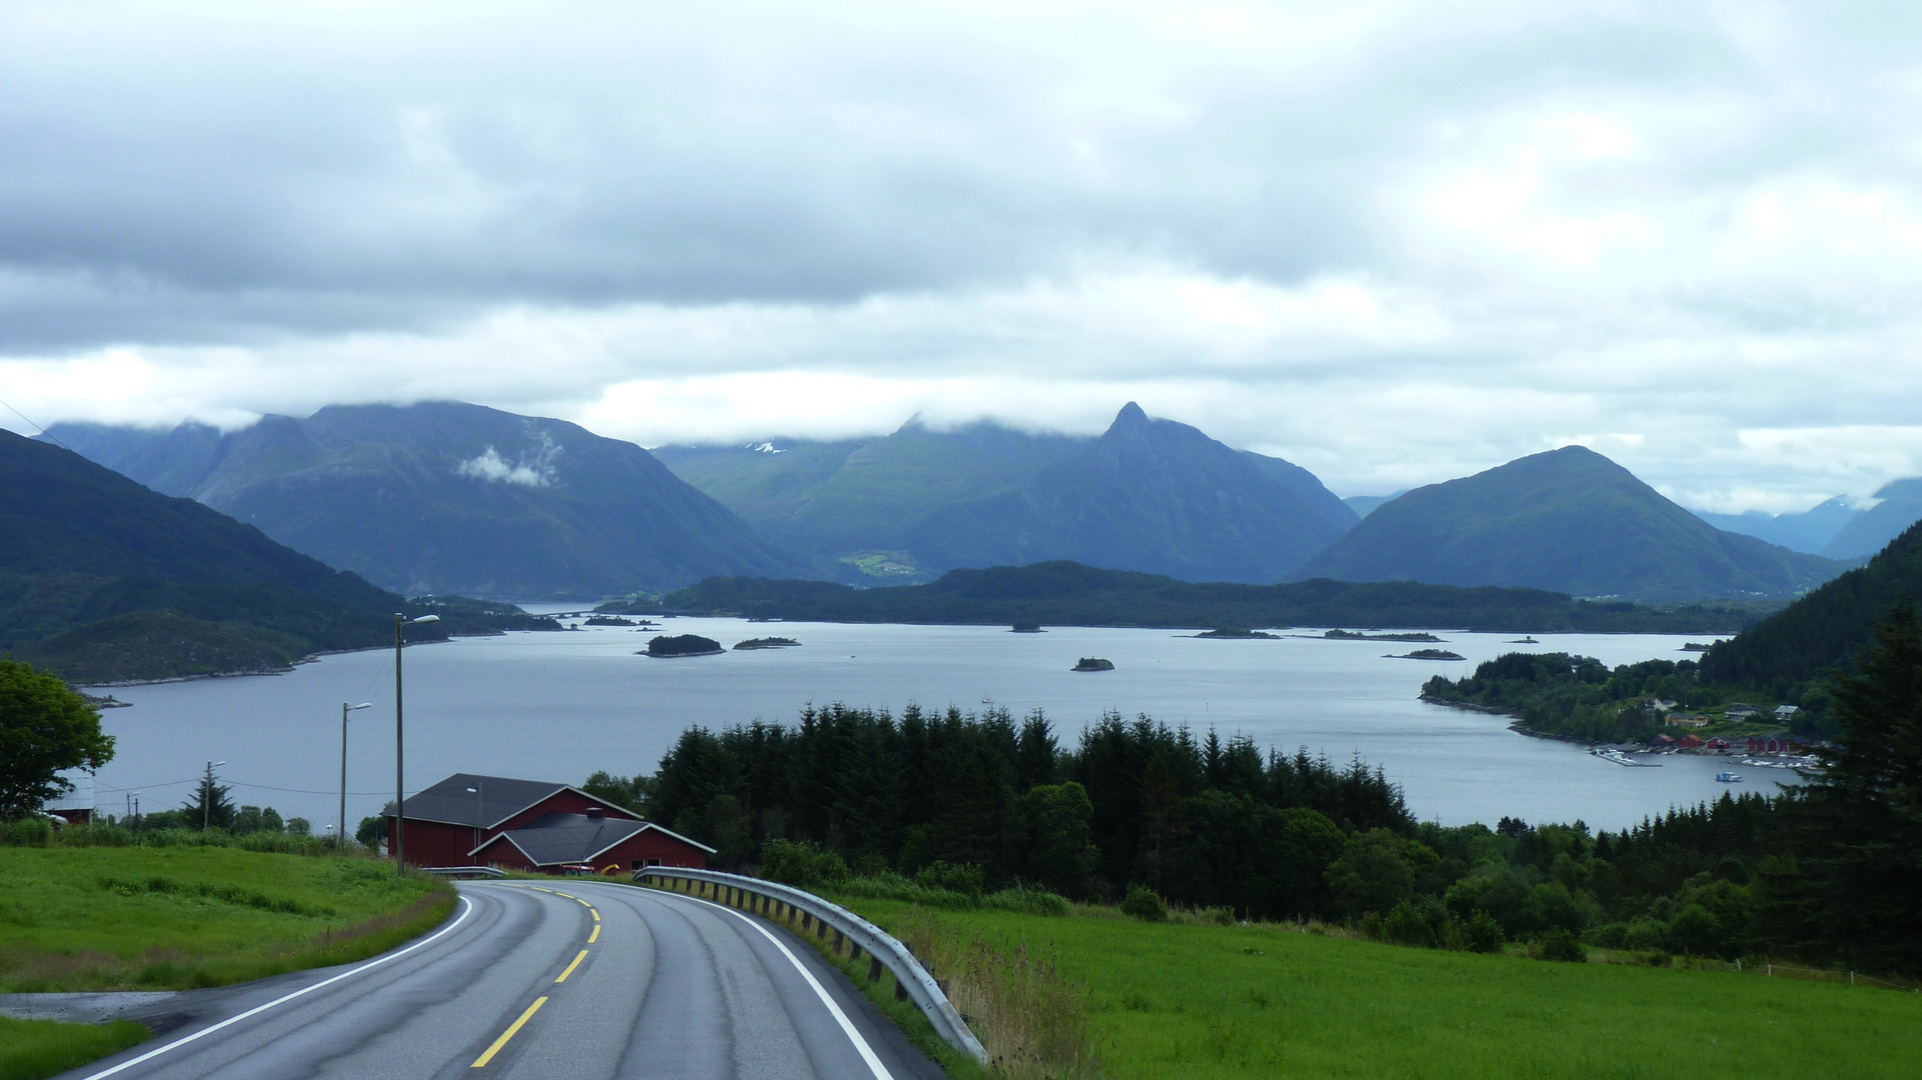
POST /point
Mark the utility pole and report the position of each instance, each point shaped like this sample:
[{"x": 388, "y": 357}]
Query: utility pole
[
  {"x": 340, "y": 834},
  {"x": 401, "y": 623}
]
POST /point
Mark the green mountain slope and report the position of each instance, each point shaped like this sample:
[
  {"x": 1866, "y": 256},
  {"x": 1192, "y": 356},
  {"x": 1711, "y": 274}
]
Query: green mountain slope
[
  {"x": 1825, "y": 627},
  {"x": 1569, "y": 520},
  {"x": 102, "y": 579},
  {"x": 1070, "y": 594},
  {"x": 1148, "y": 495},
  {"x": 444, "y": 497}
]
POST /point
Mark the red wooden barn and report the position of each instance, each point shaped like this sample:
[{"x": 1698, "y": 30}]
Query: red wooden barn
[{"x": 468, "y": 820}]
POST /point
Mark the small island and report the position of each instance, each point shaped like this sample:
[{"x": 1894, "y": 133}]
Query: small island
[
  {"x": 669, "y": 646},
  {"x": 1696, "y": 646},
  {"x": 1350, "y": 635},
  {"x": 1093, "y": 663},
  {"x": 1522, "y": 641},
  {"x": 608, "y": 620},
  {"x": 1426, "y": 654},
  {"x": 1228, "y": 634},
  {"x": 767, "y": 643},
  {"x": 1027, "y": 628}
]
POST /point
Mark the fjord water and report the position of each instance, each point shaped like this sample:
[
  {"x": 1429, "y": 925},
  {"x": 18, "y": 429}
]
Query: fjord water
[{"x": 557, "y": 706}]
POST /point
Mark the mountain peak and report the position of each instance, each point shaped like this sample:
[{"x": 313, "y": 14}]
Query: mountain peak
[{"x": 1130, "y": 416}]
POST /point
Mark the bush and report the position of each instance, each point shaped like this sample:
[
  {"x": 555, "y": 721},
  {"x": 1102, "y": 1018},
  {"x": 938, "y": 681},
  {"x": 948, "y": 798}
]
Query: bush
[
  {"x": 892, "y": 886},
  {"x": 1645, "y": 935},
  {"x": 802, "y": 865},
  {"x": 1612, "y": 936},
  {"x": 94, "y": 836},
  {"x": 1406, "y": 926},
  {"x": 27, "y": 832},
  {"x": 1481, "y": 933},
  {"x": 954, "y": 877},
  {"x": 1145, "y": 904},
  {"x": 1559, "y": 944},
  {"x": 1027, "y": 901}
]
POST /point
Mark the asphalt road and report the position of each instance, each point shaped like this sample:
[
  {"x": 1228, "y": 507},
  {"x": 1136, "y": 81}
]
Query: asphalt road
[{"x": 523, "y": 981}]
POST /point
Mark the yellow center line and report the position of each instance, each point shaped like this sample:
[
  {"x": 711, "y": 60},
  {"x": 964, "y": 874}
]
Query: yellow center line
[
  {"x": 572, "y": 966},
  {"x": 596, "y": 934},
  {"x": 509, "y": 1033},
  {"x": 596, "y": 914},
  {"x": 537, "y": 888},
  {"x": 570, "y": 896}
]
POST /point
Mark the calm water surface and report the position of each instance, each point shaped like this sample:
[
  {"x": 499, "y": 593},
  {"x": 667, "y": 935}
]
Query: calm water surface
[{"x": 557, "y": 706}]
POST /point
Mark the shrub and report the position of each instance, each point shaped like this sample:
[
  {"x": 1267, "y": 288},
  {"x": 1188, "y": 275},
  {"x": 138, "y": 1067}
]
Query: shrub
[
  {"x": 1645, "y": 935},
  {"x": 1145, "y": 904},
  {"x": 27, "y": 832},
  {"x": 1612, "y": 936},
  {"x": 1028, "y": 901},
  {"x": 1371, "y": 926},
  {"x": 1559, "y": 944},
  {"x": 1481, "y": 933},
  {"x": 1406, "y": 926},
  {"x": 955, "y": 877},
  {"x": 802, "y": 865}
]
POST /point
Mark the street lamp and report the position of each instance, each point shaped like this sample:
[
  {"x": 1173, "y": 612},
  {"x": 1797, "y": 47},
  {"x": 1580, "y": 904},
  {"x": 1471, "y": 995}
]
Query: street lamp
[
  {"x": 344, "y": 710},
  {"x": 207, "y": 797},
  {"x": 478, "y": 819},
  {"x": 401, "y": 622}
]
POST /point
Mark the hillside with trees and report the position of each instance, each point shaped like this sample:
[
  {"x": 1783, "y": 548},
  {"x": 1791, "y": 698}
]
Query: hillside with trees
[
  {"x": 1070, "y": 594},
  {"x": 103, "y": 580}
]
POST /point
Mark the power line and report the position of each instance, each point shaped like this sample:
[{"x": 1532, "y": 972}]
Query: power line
[{"x": 40, "y": 429}]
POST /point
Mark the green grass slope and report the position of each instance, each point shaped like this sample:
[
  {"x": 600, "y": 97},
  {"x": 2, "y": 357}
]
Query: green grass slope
[
  {"x": 174, "y": 918},
  {"x": 1571, "y": 521},
  {"x": 32, "y": 1049},
  {"x": 1227, "y": 1002}
]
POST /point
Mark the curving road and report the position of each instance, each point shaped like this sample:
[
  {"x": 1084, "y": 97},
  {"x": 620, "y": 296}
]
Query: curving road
[{"x": 578, "y": 979}]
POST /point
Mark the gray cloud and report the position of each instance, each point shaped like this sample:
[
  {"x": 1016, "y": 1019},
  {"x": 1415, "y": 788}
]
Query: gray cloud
[{"x": 1393, "y": 241}]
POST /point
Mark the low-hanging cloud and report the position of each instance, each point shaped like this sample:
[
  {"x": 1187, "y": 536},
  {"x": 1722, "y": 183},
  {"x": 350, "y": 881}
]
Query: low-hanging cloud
[
  {"x": 1393, "y": 241},
  {"x": 489, "y": 465}
]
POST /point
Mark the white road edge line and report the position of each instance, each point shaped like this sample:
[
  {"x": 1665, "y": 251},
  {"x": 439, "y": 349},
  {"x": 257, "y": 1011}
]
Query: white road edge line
[
  {"x": 467, "y": 906},
  {"x": 867, "y": 1052}
]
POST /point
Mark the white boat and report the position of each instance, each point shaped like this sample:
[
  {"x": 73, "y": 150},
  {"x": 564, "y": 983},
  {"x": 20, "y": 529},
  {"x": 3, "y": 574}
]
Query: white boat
[{"x": 1729, "y": 777}]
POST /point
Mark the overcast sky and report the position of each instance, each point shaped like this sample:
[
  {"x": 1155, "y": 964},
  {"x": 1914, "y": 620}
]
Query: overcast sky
[{"x": 1393, "y": 242}]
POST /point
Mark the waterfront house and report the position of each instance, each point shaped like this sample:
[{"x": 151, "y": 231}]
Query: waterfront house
[
  {"x": 1717, "y": 743},
  {"x": 1690, "y": 742},
  {"x": 1740, "y": 711},
  {"x": 1786, "y": 712}
]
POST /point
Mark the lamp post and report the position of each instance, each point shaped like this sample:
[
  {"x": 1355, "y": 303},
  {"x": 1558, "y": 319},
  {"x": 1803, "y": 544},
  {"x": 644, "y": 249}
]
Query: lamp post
[
  {"x": 401, "y": 622},
  {"x": 340, "y": 838},
  {"x": 207, "y": 797},
  {"x": 478, "y": 819}
]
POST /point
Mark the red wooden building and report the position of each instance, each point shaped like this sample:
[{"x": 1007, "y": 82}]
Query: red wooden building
[{"x": 468, "y": 820}]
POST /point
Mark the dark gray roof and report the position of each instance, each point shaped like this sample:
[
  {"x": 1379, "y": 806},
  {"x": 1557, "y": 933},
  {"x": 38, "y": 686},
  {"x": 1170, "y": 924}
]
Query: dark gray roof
[
  {"x": 570, "y": 838},
  {"x": 500, "y": 798}
]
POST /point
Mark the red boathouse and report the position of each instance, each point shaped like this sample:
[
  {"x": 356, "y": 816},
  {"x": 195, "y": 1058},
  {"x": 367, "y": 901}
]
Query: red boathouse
[{"x": 468, "y": 820}]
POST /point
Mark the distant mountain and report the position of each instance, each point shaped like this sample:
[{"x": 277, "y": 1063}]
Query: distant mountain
[
  {"x": 1871, "y": 530},
  {"x": 443, "y": 497},
  {"x": 1569, "y": 520},
  {"x": 850, "y": 506},
  {"x": 1808, "y": 531},
  {"x": 102, "y": 579},
  {"x": 1364, "y": 505},
  {"x": 1069, "y": 594},
  {"x": 1149, "y": 495}
]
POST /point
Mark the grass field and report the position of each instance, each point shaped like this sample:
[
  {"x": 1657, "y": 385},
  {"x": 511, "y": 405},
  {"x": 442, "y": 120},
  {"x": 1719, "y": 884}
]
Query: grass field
[
  {"x": 31, "y": 1049},
  {"x": 179, "y": 918},
  {"x": 1266, "y": 1001}
]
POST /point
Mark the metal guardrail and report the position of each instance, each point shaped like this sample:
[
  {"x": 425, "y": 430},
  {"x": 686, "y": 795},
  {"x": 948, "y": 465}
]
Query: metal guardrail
[
  {"x": 463, "y": 871},
  {"x": 819, "y": 917}
]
